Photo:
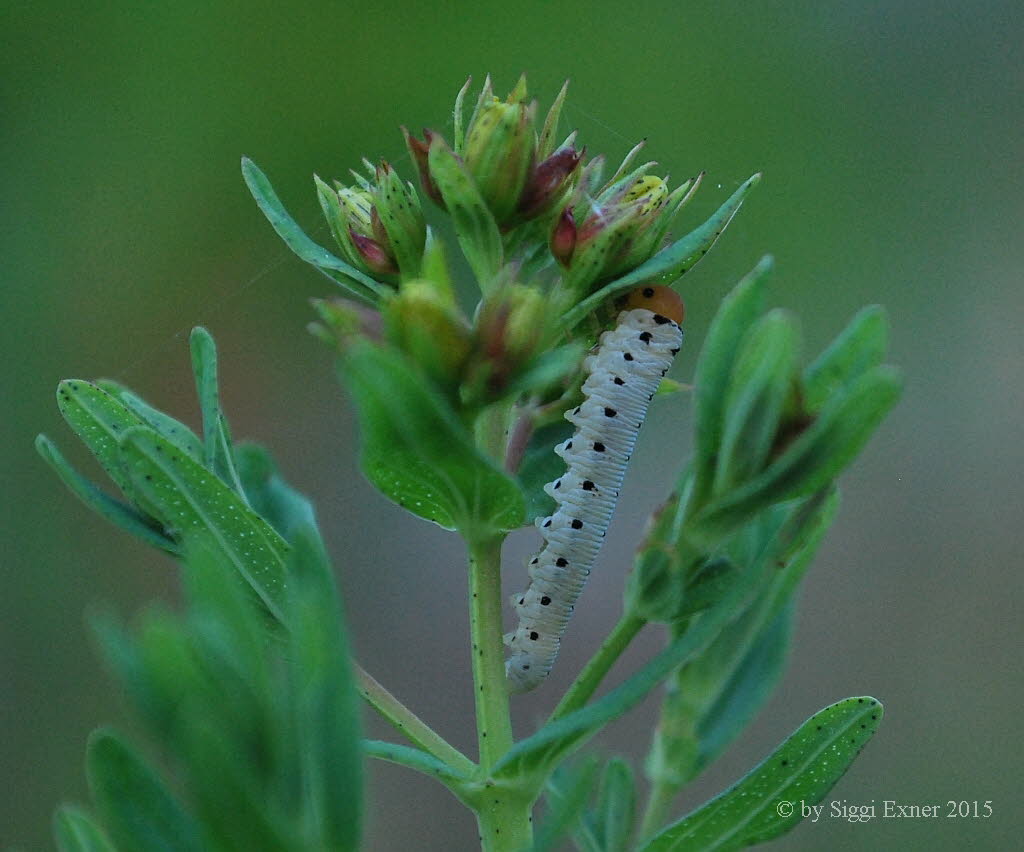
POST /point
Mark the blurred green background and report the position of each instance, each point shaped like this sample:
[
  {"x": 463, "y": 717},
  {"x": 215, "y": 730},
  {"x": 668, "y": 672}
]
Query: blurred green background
[{"x": 890, "y": 138}]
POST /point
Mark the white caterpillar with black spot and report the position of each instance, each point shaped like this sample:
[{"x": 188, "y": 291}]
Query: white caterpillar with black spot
[{"x": 624, "y": 374}]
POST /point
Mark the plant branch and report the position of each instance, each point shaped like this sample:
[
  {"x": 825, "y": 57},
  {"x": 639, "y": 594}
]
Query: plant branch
[
  {"x": 408, "y": 723},
  {"x": 593, "y": 672},
  {"x": 494, "y": 726}
]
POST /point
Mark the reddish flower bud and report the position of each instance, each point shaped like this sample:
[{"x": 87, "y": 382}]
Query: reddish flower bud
[
  {"x": 563, "y": 237},
  {"x": 547, "y": 182},
  {"x": 420, "y": 150},
  {"x": 377, "y": 260}
]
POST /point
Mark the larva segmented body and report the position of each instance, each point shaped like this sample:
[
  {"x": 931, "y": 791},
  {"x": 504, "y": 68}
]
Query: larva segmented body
[{"x": 623, "y": 375}]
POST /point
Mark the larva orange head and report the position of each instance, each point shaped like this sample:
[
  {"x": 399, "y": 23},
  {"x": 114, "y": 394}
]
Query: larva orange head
[{"x": 659, "y": 300}]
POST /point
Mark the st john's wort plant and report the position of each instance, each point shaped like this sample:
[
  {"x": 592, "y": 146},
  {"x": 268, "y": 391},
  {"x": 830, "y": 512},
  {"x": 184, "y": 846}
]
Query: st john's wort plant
[{"x": 523, "y": 407}]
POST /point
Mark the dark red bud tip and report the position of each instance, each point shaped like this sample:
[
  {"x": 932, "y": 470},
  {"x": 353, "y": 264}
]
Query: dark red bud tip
[
  {"x": 547, "y": 179},
  {"x": 563, "y": 237},
  {"x": 374, "y": 256},
  {"x": 420, "y": 152}
]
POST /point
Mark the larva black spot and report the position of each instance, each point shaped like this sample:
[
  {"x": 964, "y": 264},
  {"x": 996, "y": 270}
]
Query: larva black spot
[
  {"x": 599, "y": 447},
  {"x": 561, "y": 562},
  {"x": 645, "y": 336},
  {"x": 577, "y": 524},
  {"x": 618, "y": 381},
  {"x": 660, "y": 320},
  {"x": 558, "y": 484},
  {"x": 626, "y": 356},
  {"x": 547, "y": 523},
  {"x": 544, "y": 601},
  {"x": 522, "y": 601},
  {"x": 588, "y": 485},
  {"x": 534, "y": 635},
  {"x": 610, "y": 412},
  {"x": 648, "y": 292},
  {"x": 674, "y": 351}
]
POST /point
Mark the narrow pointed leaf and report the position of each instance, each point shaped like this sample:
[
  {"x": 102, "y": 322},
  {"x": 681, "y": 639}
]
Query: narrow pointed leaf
[
  {"x": 218, "y": 451},
  {"x": 188, "y": 497},
  {"x": 270, "y": 496},
  {"x": 357, "y": 283},
  {"x": 325, "y": 699},
  {"x": 670, "y": 263},
  {"x": 417, "y": 453},
  {"x": 540, "y": 466},
  {"x": 100, "y": 421},
  {"x": 163, "y": 424},
  {"x": 75, "y": 831},
  {"x": 737, "y": 313},
  {"x": 475, "y": 227},
  {"x": 859, "y": 347},
  {"x": 616, "y": 807},
  {"x": 767, "y": 802},
  {"x": 113, "y": 510},
  {"x": 417, "y": 760},
  {"x": 140, "y": 812}
]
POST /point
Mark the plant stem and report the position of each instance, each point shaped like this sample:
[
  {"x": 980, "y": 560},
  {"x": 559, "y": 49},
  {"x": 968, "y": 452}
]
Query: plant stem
[
  {"x": 504, "y": 822},
  {"x": 658, "y": 803},
  {"x": 598, "y": 666},
  {"x": 493, "y": 724},
  {"x": 503, "y": 815},
  {"x": 414, "y": 728}
]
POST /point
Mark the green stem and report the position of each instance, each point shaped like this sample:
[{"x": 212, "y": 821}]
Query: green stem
[
  {"x": 593, "y": 673},
  {"x": 415, "y": 729},
  {"x": 493, "y": 723},
  {"x": 504, "y": 822},
  {"x": 659, "y": 803}
]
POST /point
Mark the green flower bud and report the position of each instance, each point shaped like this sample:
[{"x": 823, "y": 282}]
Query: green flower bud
[
  {"x": 397, "y": 220},
  {"x": 500, "y": 150},
  {"x": 342, "y": 322},
  {"x": 621, "y": 232},
  {"x": 378, "y": 224},
  {"x": 424, "y": 325},
  {"x": 511, "y": 330}
]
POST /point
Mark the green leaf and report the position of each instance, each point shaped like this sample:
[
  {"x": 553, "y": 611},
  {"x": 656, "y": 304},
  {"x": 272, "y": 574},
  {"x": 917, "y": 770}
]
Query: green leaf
[
  {"x": 100, "y": 421},
  {"x": 357, "y": 283},
  {"x": 419, "y": 761},
  {"x": 273, "y": 499},
  {"x": 163, "y": 424},
  {"x": 113, "y": 510},
  {"x": 75, "y": 831},
  {"x": 813, "y": 459},
  {"x": 326, "y": 704},
  {"x": 671, "y": 262},
  {"x": 417, "y": 453},
  {"x": 136, "y": 806},
  {"x": 218, "y": 452},
  {"x": 612, "y": 821},
  {"x": 475, "y": 227},
  {"x": 540, "y": 466},
  {"x": 859, "y": 347},
  {"x": 188, "y": 497},
  {"x": 761, "y": 379},
  {"x": 767, "y": 802},
  {"x": 567, "y": 794},
  {"x": 737, "y": 313}
]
